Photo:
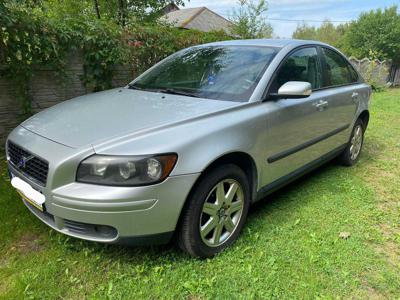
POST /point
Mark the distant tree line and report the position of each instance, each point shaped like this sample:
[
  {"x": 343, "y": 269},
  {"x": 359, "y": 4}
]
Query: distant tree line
[{"x": 375, "y": 35}]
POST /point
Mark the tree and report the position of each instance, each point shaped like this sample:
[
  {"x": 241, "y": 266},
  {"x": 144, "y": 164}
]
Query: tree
[
  {"x": 121, "y": 12},
  {"x": 250, "y": 20},
  {"x": 131, "y": 10},
  {"x": 305, "y": 32},
  {"x": 326, "y": 33},
  {"x": 377, "y": 32}
]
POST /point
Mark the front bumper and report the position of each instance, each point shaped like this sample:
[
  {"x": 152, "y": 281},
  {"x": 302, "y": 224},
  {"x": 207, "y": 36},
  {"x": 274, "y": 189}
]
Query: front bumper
[
  {"x": 134, "y": 215},
  {"x": 101, "y": 217}
]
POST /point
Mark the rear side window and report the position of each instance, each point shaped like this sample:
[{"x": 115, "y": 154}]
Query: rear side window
[
  {"x": 339, "y": 71},
  {"x": 302, "y": 65}
]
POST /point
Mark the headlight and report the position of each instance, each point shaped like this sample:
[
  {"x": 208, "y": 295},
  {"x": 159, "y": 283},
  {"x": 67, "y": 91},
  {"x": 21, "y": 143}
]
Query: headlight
[{"x": 125, "y": 170}]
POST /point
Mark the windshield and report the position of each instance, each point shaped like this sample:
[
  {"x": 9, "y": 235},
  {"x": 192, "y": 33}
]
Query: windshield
[{"x": 214, "y": 72}]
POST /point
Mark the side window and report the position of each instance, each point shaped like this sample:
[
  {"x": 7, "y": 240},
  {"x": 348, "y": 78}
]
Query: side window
[
  {"x": 302, "y": 65},
  {"x": 339, "y": 71}
]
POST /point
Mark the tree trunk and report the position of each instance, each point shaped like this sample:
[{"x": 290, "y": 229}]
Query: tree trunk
[
  {"x": 96, "y": 8},
  {"x": 122, "y": 7}
]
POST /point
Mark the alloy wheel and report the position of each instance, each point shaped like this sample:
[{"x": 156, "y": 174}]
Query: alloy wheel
[
  {"x": 221, "y": 212},
  {"x": 356, "y": 142}
]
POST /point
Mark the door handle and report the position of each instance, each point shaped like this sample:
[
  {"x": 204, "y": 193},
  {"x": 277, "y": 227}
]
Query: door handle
[
  {"x": 321, "y": 105},
  {"x": 354, "y": 97}
]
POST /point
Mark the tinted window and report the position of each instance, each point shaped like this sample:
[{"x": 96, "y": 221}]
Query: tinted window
[
  {"x": 302, "y": 65},
  {"x": 215, "y": 72},
  {"x": 339, "y": 71}
]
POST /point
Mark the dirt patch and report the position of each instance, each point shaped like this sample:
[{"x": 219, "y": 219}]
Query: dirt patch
[
  {"x": 389, "y": 249},
  {"x": 368, "y": 292},
  {"x": 28, "y": 243}
]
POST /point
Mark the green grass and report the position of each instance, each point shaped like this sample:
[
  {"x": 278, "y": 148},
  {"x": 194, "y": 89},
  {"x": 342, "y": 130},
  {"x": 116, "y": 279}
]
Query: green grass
[{"x": 290, "y": 247}]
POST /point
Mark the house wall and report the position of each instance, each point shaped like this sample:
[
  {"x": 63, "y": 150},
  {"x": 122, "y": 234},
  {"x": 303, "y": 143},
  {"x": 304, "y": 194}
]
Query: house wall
[{"x": 48, "y": 88}]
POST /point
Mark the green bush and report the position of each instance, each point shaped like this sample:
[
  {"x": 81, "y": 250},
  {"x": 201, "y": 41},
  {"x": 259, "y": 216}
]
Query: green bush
[{"x": 150, "y": 44}]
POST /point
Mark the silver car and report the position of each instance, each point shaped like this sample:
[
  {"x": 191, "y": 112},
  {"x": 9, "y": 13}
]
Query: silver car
[{"x": 189, "y": 145}]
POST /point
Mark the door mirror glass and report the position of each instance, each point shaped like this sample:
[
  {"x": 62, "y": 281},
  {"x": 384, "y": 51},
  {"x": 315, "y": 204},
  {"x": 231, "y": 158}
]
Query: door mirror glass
[{"x": 295, "y": 89}]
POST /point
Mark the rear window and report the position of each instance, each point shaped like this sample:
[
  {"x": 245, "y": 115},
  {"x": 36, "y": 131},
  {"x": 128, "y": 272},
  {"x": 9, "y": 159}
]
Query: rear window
[{"x": 339, "y": 71}]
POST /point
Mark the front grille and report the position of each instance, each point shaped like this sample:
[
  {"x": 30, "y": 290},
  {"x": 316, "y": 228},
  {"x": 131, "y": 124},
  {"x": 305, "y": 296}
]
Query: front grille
[{"x": 28, "y": 164}]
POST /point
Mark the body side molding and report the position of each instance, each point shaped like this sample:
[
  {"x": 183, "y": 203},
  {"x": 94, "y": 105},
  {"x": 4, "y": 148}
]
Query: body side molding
[
  {"x": 275, "y": 185},
  {"x": 307, "y": 144}
]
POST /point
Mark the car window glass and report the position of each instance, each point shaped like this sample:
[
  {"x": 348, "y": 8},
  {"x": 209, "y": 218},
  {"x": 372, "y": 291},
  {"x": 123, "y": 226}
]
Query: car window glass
[
  {"x": 215, "y": 72},
  {"x": 339, "y": 72},
  {"x": 302, "y": 65}
]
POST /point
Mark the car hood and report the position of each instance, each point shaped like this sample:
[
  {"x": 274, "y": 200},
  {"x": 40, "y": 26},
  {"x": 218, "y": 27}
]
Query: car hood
[{"x": 97, "y": 117}]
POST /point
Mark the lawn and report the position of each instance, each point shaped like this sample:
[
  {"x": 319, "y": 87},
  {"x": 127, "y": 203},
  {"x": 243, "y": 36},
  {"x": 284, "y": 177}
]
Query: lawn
[{"x": 290, "y": 248}]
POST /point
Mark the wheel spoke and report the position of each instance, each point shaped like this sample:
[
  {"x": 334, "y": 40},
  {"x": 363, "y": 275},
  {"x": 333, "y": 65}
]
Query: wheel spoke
[
  {"x": 235, "y": 206},
  {"x": 218, "y": 233},
  {"x": 358, "y": 132},
  {"x": 210, "y": 225},
  {"x": 231, "y": 193},
  {"x": 229, "y": 224},
  {"x": 210, "y": 209},
  {"x": 220, "y": 194},
  {"x": 352, "y": 149}
]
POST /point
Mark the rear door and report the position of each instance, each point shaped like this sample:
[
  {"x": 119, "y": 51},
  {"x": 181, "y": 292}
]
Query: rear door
[
  {"x": 341, "y": 86},
  {"x": 296, "y": 125}
]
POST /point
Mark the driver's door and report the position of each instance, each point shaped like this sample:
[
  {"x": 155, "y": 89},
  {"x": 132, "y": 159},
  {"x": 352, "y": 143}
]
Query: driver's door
[{"x": 295, "y": 125}]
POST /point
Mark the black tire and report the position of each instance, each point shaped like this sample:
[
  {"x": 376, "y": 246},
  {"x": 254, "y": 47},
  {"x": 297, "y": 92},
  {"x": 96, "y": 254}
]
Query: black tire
[
  {"x": 346, "y": 158},
  {"x": 189, "y": 237}
]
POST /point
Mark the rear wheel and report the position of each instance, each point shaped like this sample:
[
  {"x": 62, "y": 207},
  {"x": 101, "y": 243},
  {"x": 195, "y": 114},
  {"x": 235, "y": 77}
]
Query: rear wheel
[
  {"x": 352, "y": 152},
  {"x": 215, "y": 213}
]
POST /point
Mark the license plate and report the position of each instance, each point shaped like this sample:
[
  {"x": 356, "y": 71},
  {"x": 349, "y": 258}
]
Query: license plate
[{"x": 28, "y": 193}]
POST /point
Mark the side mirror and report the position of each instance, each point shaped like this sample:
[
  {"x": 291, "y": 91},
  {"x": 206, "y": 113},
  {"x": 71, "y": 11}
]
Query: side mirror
[{"x": 293, "y": 90}]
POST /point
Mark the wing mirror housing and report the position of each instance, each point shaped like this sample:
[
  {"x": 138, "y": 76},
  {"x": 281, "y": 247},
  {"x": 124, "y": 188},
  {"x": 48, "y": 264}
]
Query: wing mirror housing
[{"x": 293, "y": 90}]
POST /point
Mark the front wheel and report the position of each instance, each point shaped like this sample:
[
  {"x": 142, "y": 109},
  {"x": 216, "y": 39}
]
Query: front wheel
[
  {"x": 352, "y": 152},
  {"x": 215, "y": 213}
]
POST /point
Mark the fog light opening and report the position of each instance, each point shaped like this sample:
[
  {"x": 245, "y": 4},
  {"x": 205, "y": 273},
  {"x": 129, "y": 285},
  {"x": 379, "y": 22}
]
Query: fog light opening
[{"x": 106, "y": 231}]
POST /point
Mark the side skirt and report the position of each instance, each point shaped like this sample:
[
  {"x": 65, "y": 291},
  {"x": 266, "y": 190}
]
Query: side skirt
[{"x": 277, "y": 184}]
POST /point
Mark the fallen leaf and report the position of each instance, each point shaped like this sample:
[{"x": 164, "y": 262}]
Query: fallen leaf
[{"x": 344, "y": 235}]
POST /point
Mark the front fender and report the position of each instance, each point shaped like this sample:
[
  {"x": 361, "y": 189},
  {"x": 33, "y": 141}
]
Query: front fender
[{"x": 201, "y": 141}]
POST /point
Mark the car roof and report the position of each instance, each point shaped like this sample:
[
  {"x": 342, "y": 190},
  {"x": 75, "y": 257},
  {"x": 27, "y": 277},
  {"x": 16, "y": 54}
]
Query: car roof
[{"x": 280, "y": 43}]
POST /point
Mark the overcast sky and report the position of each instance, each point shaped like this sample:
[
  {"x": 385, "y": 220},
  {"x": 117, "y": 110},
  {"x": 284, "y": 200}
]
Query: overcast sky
[{"x": 335, "y": 10}]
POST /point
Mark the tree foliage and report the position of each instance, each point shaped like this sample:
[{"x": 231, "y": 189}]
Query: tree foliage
[
  {"x": 250, "y": 20},
  {"x": 327, "y": 33},
  {"x": 377, "y": 33}
]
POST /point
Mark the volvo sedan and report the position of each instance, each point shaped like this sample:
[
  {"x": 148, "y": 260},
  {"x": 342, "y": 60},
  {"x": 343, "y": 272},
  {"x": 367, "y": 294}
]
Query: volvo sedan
[{"x": 184, "y": 150}]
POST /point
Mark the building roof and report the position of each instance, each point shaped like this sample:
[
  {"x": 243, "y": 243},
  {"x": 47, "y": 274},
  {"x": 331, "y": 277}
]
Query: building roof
[{"x": 200, "y": 18}]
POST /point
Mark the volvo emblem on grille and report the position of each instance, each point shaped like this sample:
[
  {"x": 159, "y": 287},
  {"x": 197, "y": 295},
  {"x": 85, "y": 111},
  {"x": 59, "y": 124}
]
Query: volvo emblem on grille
[{"x": 22, "y": 162}]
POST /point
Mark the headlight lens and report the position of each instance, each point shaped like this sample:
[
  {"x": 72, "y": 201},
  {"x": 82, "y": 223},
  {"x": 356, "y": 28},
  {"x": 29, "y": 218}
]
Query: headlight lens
[{"x": 125, "y": 170}]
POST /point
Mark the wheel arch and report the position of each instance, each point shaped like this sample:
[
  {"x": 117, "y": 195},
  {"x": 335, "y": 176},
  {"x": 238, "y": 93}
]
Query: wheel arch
[
  {"x": 364, "y": 116},
  {"x": 243, "y": 160}
]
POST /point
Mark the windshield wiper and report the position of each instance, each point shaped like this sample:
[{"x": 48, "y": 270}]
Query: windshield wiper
[
  {"x": 165, "y": 91},
  {"x": 177, "y": 92},
  {"x": 134, "y": 87}
]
